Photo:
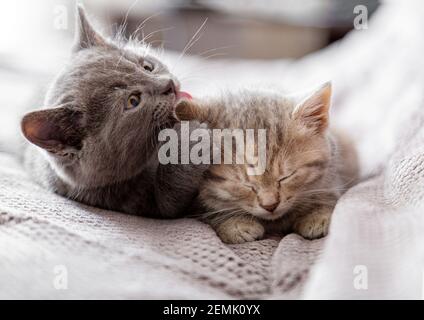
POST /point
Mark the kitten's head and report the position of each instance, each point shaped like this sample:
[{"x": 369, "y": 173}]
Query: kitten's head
[
  {"x": 103, "y": 112},
  {"x": 297, "y": 155}
]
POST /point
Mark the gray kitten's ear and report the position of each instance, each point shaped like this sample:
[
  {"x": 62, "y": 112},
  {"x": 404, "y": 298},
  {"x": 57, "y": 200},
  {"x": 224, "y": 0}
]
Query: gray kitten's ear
[
  {"x": 57, "y": 130},
  {"x": 85, "y": 35},
  {"x": 313, "y": 111}
]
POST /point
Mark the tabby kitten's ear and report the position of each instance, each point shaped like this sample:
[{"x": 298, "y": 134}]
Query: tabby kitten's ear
[
  {"x": 85, "y": 35},
  {"x": 187, "y": 110},
  {"x": 313, "y": 111},
  {"x": 57, "y": 130}
]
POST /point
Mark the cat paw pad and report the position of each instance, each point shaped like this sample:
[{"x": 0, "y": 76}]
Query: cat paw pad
[
  {"x": 242, "y": 232},
  {"x": 313, "y": 226}
]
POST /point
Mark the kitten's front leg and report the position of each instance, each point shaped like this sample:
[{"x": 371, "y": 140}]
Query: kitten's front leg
[
  {"x": 239, "y": 229},
  {"x": 177, "y": 185},
  {"x": 314, "y": 225}
]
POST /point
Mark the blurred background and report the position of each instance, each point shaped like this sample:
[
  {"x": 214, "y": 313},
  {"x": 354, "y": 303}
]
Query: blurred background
[{"x": 241, "y": 28}]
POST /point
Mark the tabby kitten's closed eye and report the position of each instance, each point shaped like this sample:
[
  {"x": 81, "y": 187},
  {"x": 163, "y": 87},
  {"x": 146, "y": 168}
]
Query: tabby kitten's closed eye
[{"x": 308, "y": 166}]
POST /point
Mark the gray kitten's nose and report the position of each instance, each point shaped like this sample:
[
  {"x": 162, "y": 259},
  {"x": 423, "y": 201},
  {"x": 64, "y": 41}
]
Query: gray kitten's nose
[{"x": 169, "y": 88}]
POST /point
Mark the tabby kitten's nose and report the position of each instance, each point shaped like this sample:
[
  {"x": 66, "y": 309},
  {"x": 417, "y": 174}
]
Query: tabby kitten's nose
[
  {"x": 270, "y": 206},
  {"x": 169, "y": 88}
]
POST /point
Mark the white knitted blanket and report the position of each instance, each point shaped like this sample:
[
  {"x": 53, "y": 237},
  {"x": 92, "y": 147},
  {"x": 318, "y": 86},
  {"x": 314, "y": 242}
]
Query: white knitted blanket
[{"x": 51, "y": 247}]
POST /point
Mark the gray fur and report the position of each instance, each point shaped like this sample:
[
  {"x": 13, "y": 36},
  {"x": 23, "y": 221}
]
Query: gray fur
[{"x": 94, "y": 151}]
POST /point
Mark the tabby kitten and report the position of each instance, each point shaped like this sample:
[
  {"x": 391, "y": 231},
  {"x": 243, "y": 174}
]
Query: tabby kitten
[
  {"x": 96, "y": 139},
  {"x": 308, "y": 166}
]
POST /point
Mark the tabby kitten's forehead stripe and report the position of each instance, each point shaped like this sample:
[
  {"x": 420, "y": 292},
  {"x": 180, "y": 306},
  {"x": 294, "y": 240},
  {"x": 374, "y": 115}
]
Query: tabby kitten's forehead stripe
[{"x": 303, "y": 174}]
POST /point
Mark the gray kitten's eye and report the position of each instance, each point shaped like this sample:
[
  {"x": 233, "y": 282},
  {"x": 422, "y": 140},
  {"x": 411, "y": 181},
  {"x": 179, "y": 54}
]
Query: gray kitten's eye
[
  {"x": 147, "y": 66},
  {"x": 133, "y": 102}
]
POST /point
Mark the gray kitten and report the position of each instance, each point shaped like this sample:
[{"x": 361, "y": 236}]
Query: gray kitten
[{"x": 97, "y": 137}]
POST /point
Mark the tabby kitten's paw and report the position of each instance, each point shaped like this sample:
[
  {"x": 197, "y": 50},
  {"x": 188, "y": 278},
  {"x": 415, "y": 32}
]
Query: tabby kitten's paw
[
  {"x": 314, "y": 225},
  {"x": 240, "y": 230}
]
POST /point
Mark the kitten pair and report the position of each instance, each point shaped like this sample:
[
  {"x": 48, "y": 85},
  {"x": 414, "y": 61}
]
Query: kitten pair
[
  {"x": 98, "y": 137},
  {"x": 98, "y": 130},
  {"x": 308, "y": 166}
]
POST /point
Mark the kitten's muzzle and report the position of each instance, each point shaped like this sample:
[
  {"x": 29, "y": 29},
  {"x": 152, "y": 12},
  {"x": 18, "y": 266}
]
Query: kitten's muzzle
[
  {"x": 170, "y": 88},
  {"x": 270, "y": 206},
  {"x": 268, "y": 200}
]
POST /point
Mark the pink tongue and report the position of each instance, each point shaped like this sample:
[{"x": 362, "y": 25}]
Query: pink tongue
[{"x": 185, "y": 95}]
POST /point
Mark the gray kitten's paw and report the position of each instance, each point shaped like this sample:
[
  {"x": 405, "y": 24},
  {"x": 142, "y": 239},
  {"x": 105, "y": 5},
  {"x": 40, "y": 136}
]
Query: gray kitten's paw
[
  {"x": 240, "y": 230},
  {"x": 314, "y": 225}
]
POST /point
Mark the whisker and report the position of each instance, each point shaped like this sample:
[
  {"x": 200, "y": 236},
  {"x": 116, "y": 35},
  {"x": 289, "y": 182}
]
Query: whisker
[
  {"x": 192, "y": 41},
  {"x": 211, "y": 213},
  {"x": 125, "y": 22},
  {"x": 151, "y": 34},
  {"x": 214, "y": 49},
  {"x": 143, "y": 23}
]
